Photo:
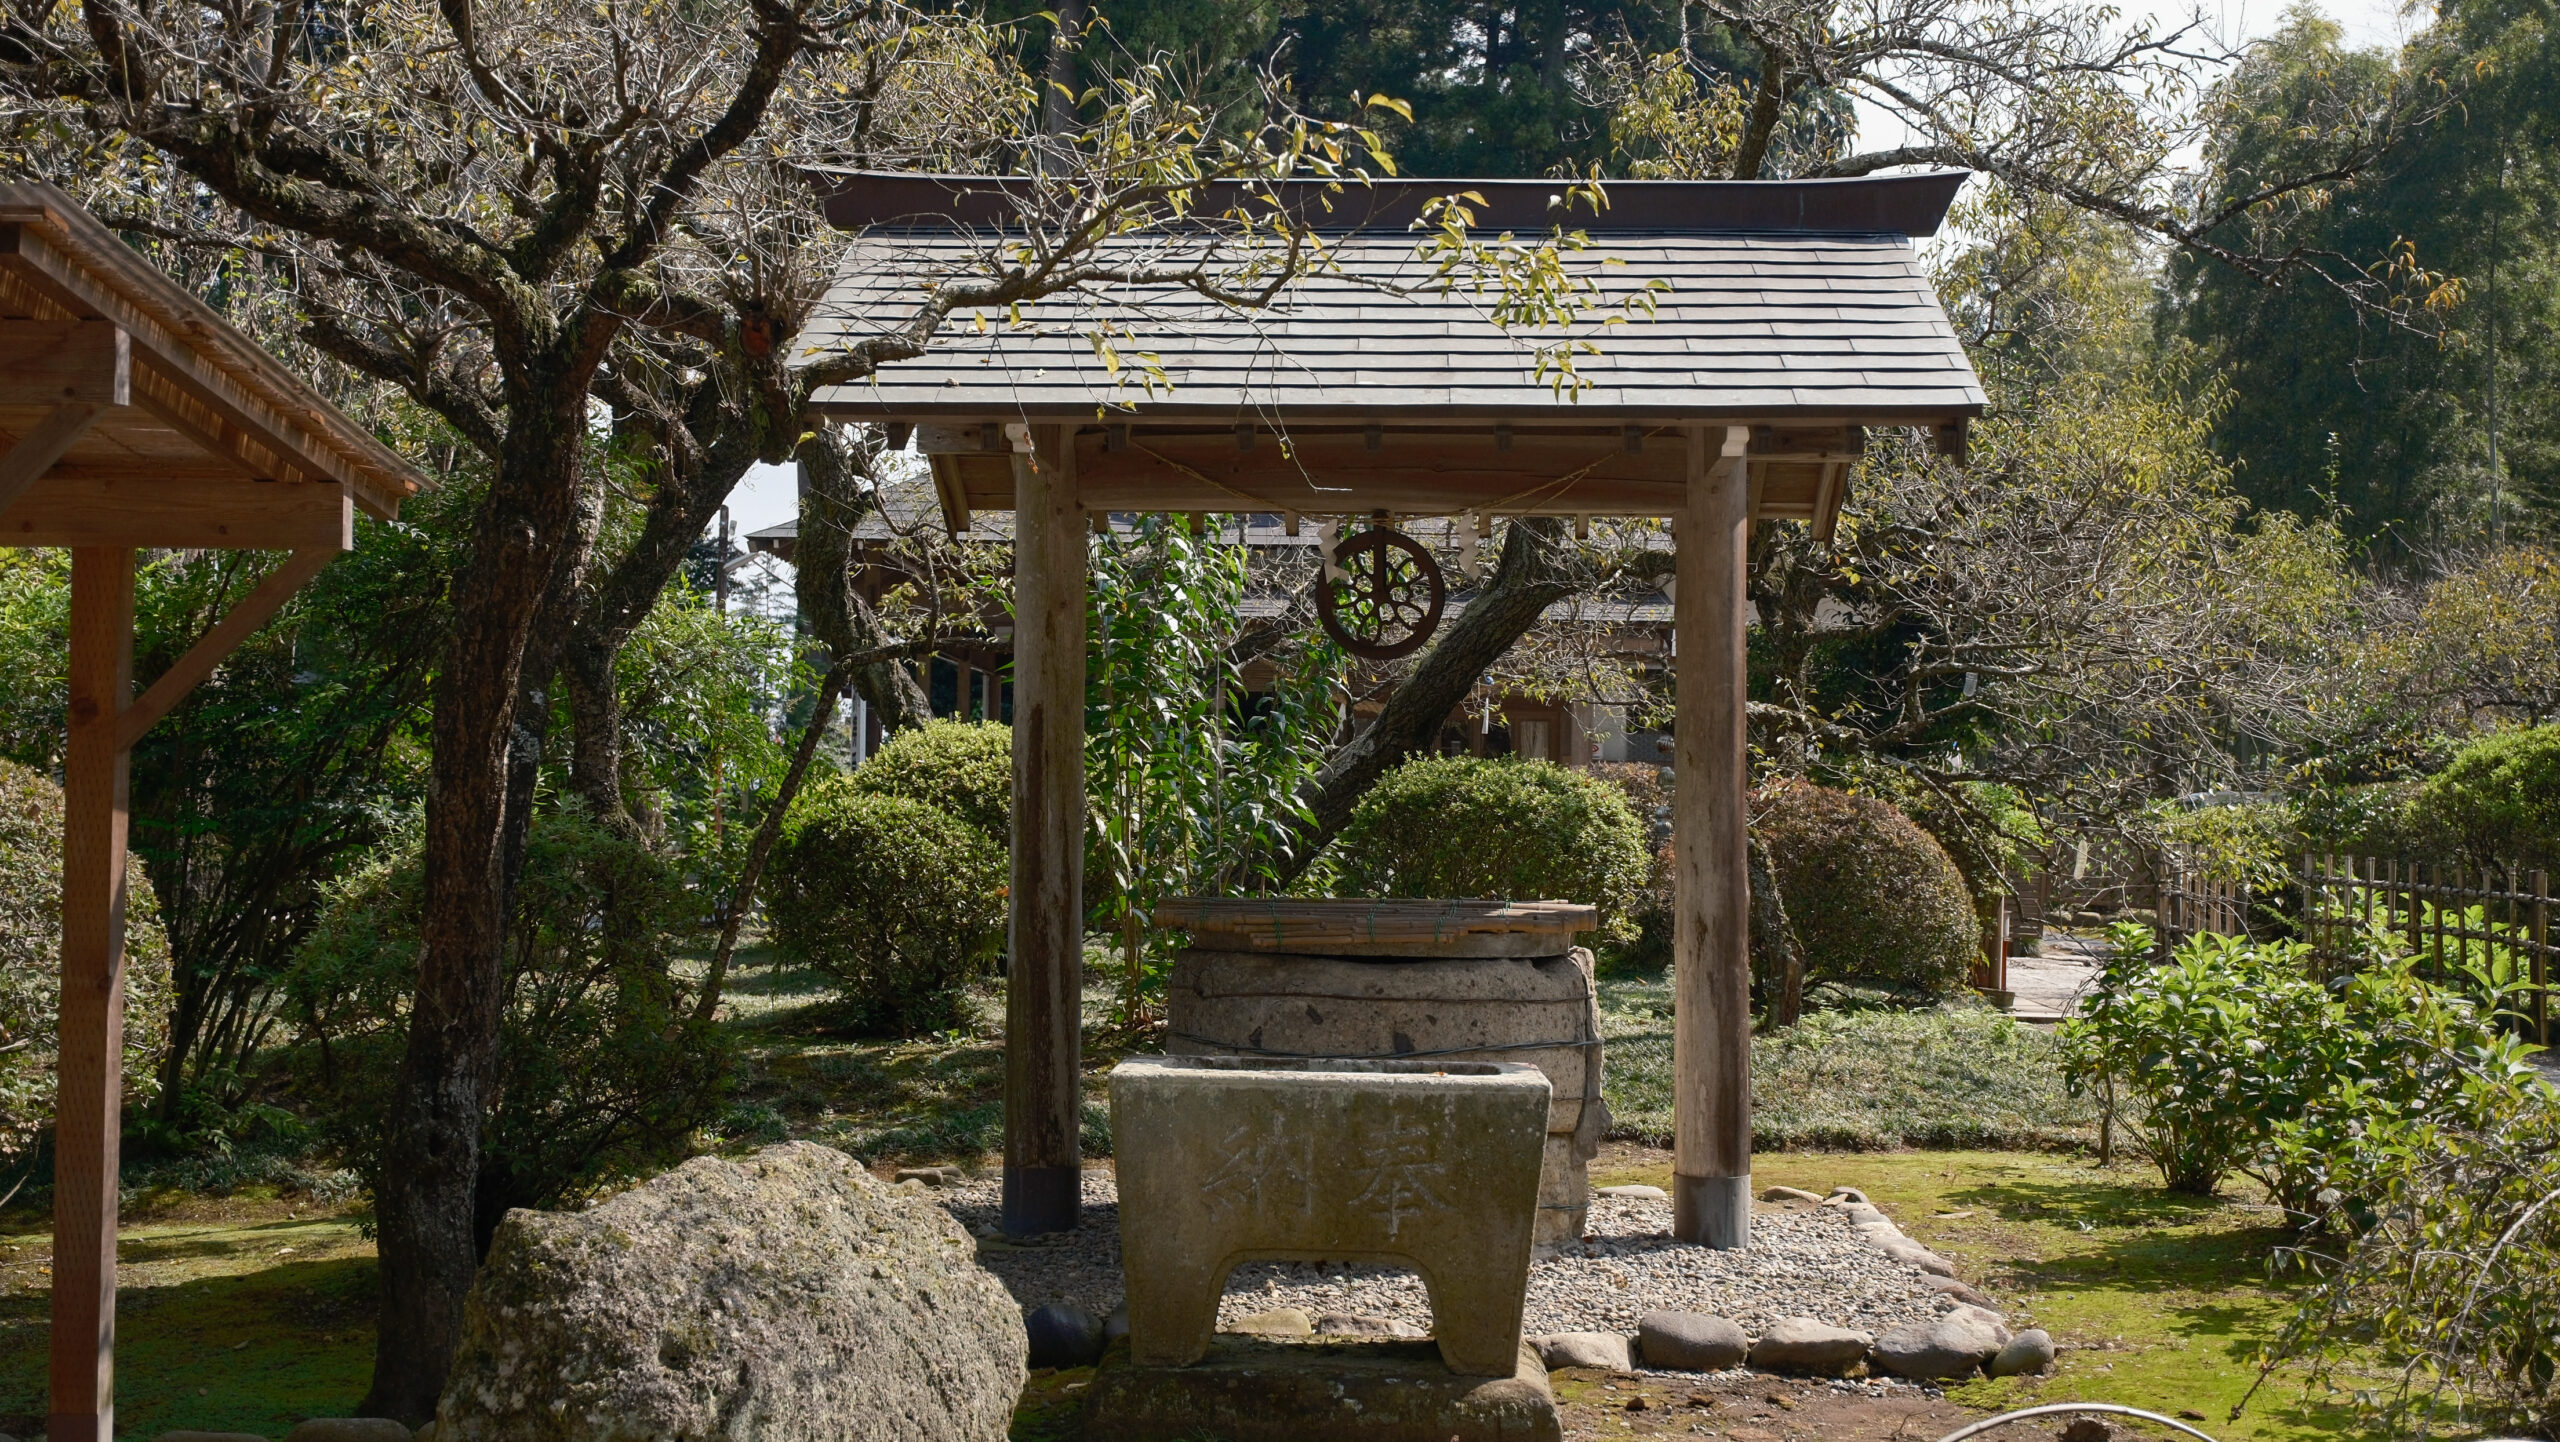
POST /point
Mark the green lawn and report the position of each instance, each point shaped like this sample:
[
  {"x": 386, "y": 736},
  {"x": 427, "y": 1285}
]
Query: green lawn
[{"x": 1961, "y": 1076}]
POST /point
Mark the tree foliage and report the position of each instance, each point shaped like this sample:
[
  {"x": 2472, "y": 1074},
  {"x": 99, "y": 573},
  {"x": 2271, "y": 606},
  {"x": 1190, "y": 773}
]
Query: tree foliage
[
  {"x": 31, "y": 967},
  {"x": 1195, "y": 782}
]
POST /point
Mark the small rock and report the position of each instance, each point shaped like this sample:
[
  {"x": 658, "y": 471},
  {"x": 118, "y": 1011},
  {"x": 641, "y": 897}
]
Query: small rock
[
  {"x": 1638, "y": 1403},
  {"x": 1605, "y": 1351},
  {"x": 426, "y": 1433},
  {"x": 2190, "y": 1414},
  {"x": 2028, "y": 1352},
  {"x": 1851, "y": 1194},
  {"x": 189, "y": 1435},
  {"x": 911, "y": 1185},
  {"x": 1801, "y": 1344},
  {"x": 348, "y": 1429},
  {"x": 1788, "y": 1194},
  {"x": 1278, "y": 1322},
  {"x": 1690, "y": 1341},
  {"x": 1063, "y": 1334},
  {"x": 1115, "y": 1326},
  {"x": 1948, "y": 1286},
  {"x": 930, "y": 1176},
  {"x": 2086, "y": 1429},
  {"x": 1344, "y": 1324},
  {"x": 1636, "y": 1192},
  {"x": 1955, "y": 1345}
]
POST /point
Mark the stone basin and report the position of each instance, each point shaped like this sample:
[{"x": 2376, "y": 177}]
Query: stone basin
[{"x": 1430, "y": 1165}]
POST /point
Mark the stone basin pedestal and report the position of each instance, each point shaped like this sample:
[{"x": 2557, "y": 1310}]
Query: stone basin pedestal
[{"x": 1428, "y": 1165}]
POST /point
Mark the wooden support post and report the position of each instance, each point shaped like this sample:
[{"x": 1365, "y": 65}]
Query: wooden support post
[
  {"x": 90, "y": 1080},
  {"x": 1044, "y": 979},
  {"x": 1711, "y": 935}
]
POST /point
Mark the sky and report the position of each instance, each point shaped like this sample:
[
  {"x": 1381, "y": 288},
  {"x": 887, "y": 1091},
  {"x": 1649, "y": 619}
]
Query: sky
[{"x": 770, "y": 494}]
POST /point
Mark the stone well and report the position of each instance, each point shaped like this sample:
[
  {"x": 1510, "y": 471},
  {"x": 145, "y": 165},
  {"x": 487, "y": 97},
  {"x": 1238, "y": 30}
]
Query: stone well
[
  {"x": 1440, "y": 981},
  {"x": 1431, "y": 1165}
]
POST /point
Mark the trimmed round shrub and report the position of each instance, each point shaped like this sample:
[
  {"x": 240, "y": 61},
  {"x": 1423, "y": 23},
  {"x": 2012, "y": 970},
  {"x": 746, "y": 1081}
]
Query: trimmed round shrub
[
  {"x": 1505, "y": 829},
  {"x": 900, "y": 902},
  {"x": 1874, "y": 899},
  {"x": 960, "y": 768},
  {"x": 31, "y": 963},
  {"x": 2498, "y": 803}
]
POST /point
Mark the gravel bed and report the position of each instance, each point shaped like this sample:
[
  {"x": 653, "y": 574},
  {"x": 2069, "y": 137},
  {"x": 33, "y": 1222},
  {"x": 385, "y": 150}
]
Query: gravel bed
[{"x": 1800, "y": 1264}]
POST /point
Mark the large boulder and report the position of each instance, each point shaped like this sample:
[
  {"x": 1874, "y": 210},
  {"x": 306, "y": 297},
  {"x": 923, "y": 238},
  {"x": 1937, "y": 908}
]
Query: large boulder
[{"x": 787, "y": 1296}]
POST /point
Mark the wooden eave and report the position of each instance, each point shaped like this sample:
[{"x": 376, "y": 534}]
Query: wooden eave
[
  {"x": 182, "y": 432},
  {"x": 1799, "y": 472}
]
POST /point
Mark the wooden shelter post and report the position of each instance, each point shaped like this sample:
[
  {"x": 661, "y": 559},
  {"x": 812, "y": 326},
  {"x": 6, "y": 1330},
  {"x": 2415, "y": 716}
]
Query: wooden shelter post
[
  {"x": 131, "y": 416},
  {"x": 90, "y": 1049},
  {"x": 1044, "y": 979},
  {"x": 1711, "y": 920}
]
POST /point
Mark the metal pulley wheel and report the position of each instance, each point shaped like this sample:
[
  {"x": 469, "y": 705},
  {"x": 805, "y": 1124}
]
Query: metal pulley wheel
[{"x": 1387, "y": 600}]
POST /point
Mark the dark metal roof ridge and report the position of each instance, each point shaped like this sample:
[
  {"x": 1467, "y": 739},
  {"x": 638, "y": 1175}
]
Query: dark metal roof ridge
[{"x": 1906, "y": 205}]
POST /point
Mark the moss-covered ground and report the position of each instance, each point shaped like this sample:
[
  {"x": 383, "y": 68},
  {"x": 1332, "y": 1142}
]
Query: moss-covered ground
[{"x": 242, "y": 1315}]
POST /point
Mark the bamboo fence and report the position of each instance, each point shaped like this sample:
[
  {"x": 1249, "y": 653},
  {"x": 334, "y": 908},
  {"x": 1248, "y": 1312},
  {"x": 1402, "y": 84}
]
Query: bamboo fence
[{"x": 2450, "y": 917}]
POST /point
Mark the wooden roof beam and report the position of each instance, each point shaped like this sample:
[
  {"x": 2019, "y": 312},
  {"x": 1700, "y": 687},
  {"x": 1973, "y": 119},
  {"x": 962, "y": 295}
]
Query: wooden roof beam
[{"x": 183, "y": 374}]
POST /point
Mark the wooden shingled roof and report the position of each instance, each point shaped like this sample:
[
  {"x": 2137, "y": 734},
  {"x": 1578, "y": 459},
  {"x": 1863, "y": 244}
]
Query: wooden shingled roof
[
  {"x": 167, "y": 409},
  {"x": 1798, "y": 308},
  {"x": 1767, "y": 326}
]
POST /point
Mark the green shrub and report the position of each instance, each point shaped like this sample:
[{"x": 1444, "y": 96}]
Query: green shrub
[
  {"x": 2498, "y": 802},
  {"x": 603, "y": 1071},
  {"x": 2440, "y": 1313},
  {"x": 31, "y": 963},
  {"x": 901, "y": 903},
  {"x": 2240, "y": 1059},
  {"x": 960, "y": 768},
  {"x": 1874, "y": 899},
  {"x": 1649, "y": 919},
  {"x": 1505, "y": 828}
]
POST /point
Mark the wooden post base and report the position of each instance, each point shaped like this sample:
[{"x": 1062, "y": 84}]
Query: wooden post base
[
  {"x": 1042, "y": 1199},
  {"x": 1712, "y": 1211}
]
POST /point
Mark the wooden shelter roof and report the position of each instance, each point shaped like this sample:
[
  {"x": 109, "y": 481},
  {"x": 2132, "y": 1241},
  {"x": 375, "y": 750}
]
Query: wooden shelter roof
[
  {"x": 1824, "y": 318},
  {"x": 136, "y": 416},
  {"x": 1796, "y": 308}
]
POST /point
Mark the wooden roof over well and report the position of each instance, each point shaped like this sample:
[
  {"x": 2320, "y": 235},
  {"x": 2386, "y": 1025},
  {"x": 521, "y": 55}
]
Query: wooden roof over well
[
  {"x": 1797, "y": 308},
  {"x": 135, "y": 416}
]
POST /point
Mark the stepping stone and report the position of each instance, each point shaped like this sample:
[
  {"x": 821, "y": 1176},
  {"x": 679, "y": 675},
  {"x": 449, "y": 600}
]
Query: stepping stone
[
  {"x": 1602, "y": 1351},
  {"x": 1636, "y": 1192},
  {"x": 2027, "y": 1353},
  {"x": 1344, "y": 1324},
  {"x": 1955, "y": 1345},
  {"x": 1063, "y": 1334},
  {"x": 1789, "y": 1194},
  {"x": 1801, "y": 1344},
  {"x": 1278, "y": 1322},
  {"x": 1691, "y": 1341}
]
